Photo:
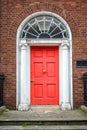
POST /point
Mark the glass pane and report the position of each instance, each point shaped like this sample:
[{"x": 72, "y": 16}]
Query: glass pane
[
  {"x": 57, "y": 30},
  {"x": 32, "y": 21},
  {"x": 23, "y": 35},
  {"x": 56, "y": 21},
  {"x": 26, "y": 27},
  {"x": 40, "y": 18},
  {"x": 58, "y": 36},
  {"x": 48, "y": 18},
  {"x": 62, "y": 27},
  {"x": 41, "y": 24},
  {"x": 65, "y": 35},
  {"x": 52, "y": 28},
  {"x": 30, "y": 36},
  {"x": 44, "y": 35},
  {"x": 47, "y": 24},
  {"x": 36, "y": 27},
  {"x": 32, "y": 31}
]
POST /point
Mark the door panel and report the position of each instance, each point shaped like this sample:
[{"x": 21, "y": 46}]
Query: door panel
[
  {"x": 51, "y": 92},
  {"x": 38, "y": 73},
  {"x": 39, "y": 93},
  {"x": 51, "y": 70},
  {"x": 44, "y": 75}
]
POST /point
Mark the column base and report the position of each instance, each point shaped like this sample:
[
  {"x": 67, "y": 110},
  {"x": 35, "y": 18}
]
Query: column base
[
  {"x": 23, "y": 107},
  {"x": 66, "y": 106}
]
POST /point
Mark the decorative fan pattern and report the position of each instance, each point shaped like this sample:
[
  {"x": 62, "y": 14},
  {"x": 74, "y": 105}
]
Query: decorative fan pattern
[{"x": 44, "y": 27}]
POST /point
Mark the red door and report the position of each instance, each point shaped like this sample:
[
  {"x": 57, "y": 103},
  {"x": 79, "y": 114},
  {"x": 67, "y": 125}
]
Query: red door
[{"x": 44, "y": 75}]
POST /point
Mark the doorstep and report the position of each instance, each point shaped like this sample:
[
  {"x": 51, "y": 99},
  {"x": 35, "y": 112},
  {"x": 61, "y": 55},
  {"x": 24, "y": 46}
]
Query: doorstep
[
  {"x": 44, "y": 107},
  {"x": 43, "y": 114}
]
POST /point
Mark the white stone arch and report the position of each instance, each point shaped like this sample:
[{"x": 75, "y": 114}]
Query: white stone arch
[{"x": 65, "y": 67}]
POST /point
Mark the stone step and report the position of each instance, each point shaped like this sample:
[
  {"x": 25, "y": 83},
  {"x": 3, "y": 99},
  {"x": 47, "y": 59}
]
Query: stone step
[
  {"x": 43, "y": 117},
  {"x": 44, "y": 107},
  {"x": 43, "y": 122},
  {"x": 46, "y": 127}
]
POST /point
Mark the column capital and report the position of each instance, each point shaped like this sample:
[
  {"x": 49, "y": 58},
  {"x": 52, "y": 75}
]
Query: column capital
[
  {"x": 23, "y": 44},
  {"x": 65, "y": 45}
]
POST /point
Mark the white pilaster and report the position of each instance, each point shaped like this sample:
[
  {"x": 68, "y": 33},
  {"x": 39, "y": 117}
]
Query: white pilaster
[
  {"x": 65, "y": 76},
  {"x": 23, "y": 77}
]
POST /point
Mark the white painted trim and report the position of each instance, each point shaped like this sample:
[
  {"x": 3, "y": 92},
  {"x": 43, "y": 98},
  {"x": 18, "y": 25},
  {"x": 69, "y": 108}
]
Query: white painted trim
[
  {"x": 65, "y": 76},
  {"x": 71, "y": 73},
  {"x": 42, "y": 42}
]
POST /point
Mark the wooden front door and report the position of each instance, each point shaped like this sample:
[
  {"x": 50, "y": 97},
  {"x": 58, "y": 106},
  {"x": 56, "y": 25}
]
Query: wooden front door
[{"x": 44, "y": 75}]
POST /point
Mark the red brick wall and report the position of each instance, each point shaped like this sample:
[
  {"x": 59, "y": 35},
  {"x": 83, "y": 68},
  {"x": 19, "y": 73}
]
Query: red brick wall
[{"x": 13, "y": 13}]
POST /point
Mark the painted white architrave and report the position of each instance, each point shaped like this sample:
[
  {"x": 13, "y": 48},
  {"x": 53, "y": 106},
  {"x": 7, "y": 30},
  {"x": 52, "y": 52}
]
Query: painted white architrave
[
  {"x": 23, "y": 77},
  {"x": 23, "y": 67},
  {"x": 65, "y": 76}
]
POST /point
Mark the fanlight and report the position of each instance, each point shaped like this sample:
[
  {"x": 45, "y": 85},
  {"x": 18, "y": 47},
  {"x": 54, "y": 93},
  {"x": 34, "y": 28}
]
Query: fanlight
[{"x": 44, "y": 27}]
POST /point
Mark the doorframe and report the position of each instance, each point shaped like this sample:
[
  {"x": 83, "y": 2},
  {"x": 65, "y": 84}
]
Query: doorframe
[{"x": 23, "y": 49}]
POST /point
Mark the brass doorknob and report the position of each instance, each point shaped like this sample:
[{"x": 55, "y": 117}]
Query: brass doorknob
[{"x": 44, "y": 71}]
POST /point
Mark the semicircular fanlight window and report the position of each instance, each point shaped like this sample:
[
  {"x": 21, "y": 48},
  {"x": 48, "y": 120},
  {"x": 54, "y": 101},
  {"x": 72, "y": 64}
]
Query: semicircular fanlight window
[{"x": 44, "y": 27}]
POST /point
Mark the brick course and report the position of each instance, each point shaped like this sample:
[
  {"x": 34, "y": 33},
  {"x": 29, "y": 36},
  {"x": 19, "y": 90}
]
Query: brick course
[{"x": 12, "y": 13}]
